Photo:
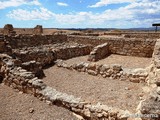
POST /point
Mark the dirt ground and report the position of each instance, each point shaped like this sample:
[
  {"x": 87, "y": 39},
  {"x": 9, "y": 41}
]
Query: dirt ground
[
  {"x": 16, "y": 106},
  {"x": 115, "y": 93},
  {"x": 125, "y": 61}
]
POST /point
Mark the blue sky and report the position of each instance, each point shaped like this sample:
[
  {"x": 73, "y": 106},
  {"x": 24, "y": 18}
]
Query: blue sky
[{"x": 80, "y": 13}]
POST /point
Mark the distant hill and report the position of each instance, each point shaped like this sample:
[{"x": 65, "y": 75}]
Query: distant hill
[
  {"x": 108, "y": 29},
  {"x": 144, "y": 29}
]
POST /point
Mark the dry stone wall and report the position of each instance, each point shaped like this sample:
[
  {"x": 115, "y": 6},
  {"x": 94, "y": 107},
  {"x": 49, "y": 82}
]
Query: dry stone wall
[
  {"x": 21, "y": 41},
  {"x": 43, "y": 56},
  {"x": 38, "y": 30},
  {"x": 8, "y": 30},
  {"x": 151, "y": 35},
  {"x": 99, "y": 52},
  {"x": 26, "y": 82},
  {"x": 123, "y": 46},
  {"x": 151, "y": 104},
  {"x": 114, "y": 71},
  {"x": 34, "y": 67},
  {"x": 48, "y": 54},
  {"x": 4, "y": 45},
  {"x": 154, "y": 68},
  {"x": 72, "y": 51}
]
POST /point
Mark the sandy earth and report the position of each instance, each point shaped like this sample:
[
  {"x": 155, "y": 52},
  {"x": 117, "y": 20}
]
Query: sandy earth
[
  {"x": 16, "y": 106},
  {"x": 115, "y": 93},
  {"x": 125, "y": 61}
]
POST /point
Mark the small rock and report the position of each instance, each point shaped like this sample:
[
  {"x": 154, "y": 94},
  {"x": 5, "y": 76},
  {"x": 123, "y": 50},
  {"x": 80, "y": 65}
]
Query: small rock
[
  {"x": 2, "y": 84},
  {"x": 141, "y": 98},
  {"x": 91, "y": 72},
  {"x": 116, "y": 67},
  {"x": 141, "y": 94},
  {"x": 87, "y": 113},
  {"x": 48, "y": 102},
  {"x": 20, "y": 92},
  {"x": 92, "y": 66},
  {"x": 40, "y": 98},
  {"x": 78, "y": 116},
  {"x": 105, "y": 114},
  {"x": 158, "y": 90},
  {"x": 134, "y": 80},
  {"x": 158, "y": 83},
  {"x": 31, "y": 110},
  {"x": 104, "y": 76},
  {"x": 126, "y": 88},
  {"x": 104, "y": 68},
  {"x": 100, "y": 115}
]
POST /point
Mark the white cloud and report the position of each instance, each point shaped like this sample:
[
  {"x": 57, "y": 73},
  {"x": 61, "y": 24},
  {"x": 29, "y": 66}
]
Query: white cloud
[
  {"x": 139, "y": 13},
  {"x": 35, "y": 2},
  {"x": 107, "y": 2},
  {"x": 36, "y": 14},
  {"x": 62, "y": 4},
  {"x": 16, "y": 3}
]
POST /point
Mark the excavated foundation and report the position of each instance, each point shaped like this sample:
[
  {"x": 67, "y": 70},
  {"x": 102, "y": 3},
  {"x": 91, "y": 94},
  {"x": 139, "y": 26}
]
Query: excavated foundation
[
  {"x": 94, "y": 89},
  {"x": 94, "y": 77}
]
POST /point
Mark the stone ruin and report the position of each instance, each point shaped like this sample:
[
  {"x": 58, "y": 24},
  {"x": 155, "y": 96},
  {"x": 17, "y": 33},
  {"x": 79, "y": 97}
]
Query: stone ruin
[
  {"x": 23, "y": 59},
  {"x": 8, "y": 30},
  {"x": 38, "y": 30},
  {"x": 99, "y": 52}
]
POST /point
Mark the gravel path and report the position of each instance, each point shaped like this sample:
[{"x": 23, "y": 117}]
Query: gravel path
[
  {"x": 125, "y": 61},
  {"x": 16, "y": 106},
  {"x": 121, "y": 94}
]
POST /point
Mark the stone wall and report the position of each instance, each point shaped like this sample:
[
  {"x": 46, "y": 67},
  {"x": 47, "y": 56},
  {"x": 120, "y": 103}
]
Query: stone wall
[
  {"x": 38, "y": 30},
  {"x": 156, "y": 55},
  {"x": 4, "y": 46},
  {"x": 46, "y": 55},
  {"x": 8, "y": 30},
  {"x": 72, "y": 51},
  {"x": 21, "y": 41},
  {"x": 154, "y": 68},
  {"x": 26, "y": 82},
  {"x": 151, "y": 35},
  {"x": 151, "y": 104},
  {"x": 94, "y": 41},
  {"x": 43, "y": 56},
  {"x": 123, "y": 46},
  {"x": 34, "y": 67},
  {"x": 99, "y": 52},
  {"x": 114, "y": 71}
]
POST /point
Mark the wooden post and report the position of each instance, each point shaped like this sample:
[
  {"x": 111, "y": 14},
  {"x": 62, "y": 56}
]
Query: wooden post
[{"x": 156, "y": 28}]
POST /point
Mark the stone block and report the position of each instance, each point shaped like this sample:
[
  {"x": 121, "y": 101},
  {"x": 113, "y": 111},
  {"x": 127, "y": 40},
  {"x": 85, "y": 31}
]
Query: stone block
[{"x": 99, "y": 52}]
